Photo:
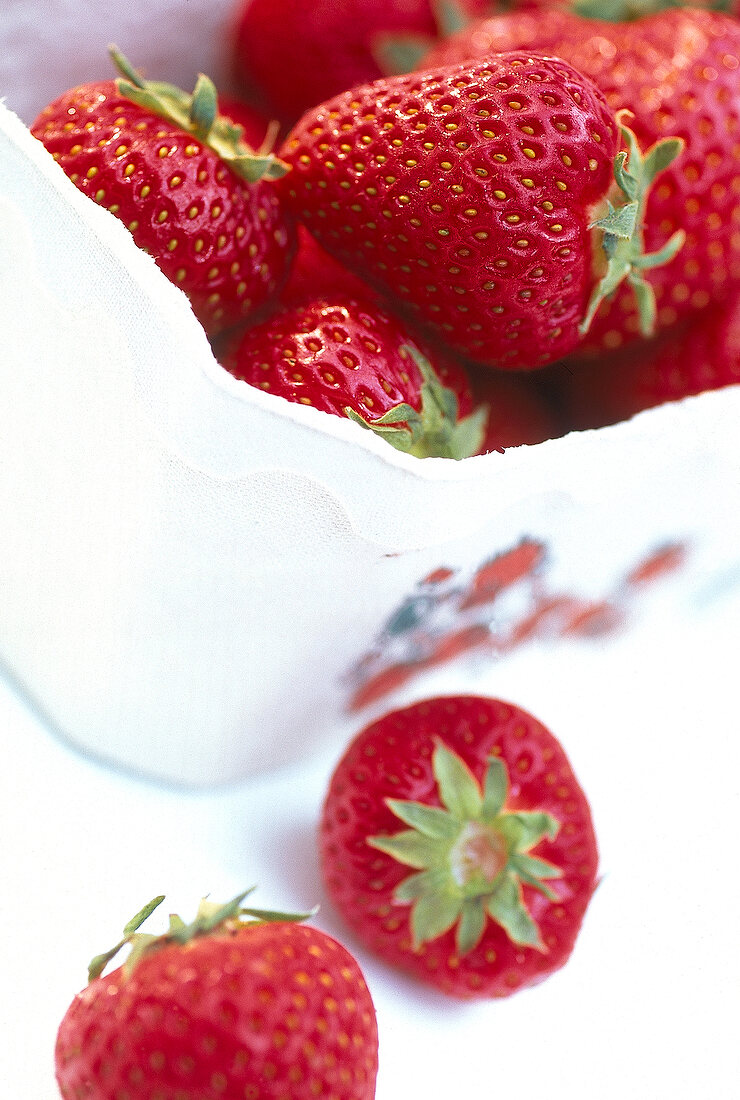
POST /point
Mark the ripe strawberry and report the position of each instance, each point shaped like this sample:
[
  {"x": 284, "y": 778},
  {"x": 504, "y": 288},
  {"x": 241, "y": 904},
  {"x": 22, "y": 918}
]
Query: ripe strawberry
[
  {"x": 258, "y": 131},
  {"x": 189, "y": 190},
  {"x": 296, "y": 53},
  {"x": 701, "y": 354},
  {"x": 315, "y": 273},
  {"x": 218, "y": 1008},
  {"x": 484, "y": 891},
  {"x": 677, "y": 72},
  {"x": 468, "y": 195},
  {"x": 518, "y": 412},
  {"x": 347, "y": 356}
]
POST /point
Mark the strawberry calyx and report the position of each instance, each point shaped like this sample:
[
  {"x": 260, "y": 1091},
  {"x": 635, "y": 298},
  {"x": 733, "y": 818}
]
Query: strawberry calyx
[
  {"x": 622, "y": 227},
  {"x": 210, "y": 917},
  {"x": 624, "y": 11},
  {"x": 198, "y": 114},
  {"x": 400, "y": 53},
  {"x": 471, "y": 856},
  {"x": 433, "y": 430}
]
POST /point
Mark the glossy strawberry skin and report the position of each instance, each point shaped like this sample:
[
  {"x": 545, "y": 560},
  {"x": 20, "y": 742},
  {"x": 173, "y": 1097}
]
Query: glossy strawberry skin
[
  {"x": 271, "y": 1010},
  {"x": 391, "y": 758},
  {"x": 677, "y": 71},
  {"x": 226, "y": 243},
  {"x": 699, "y": 355},
  {"x": 297, "y": 53},
  {"x": 465, "y": 195},
  {"x": 339, "y": 351}
]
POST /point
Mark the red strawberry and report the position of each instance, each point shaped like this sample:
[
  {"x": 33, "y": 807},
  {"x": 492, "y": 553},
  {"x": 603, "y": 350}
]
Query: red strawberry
[
  {"x": 347, "y": 356},
  {"x": 296, "y": 53},
  {"x": 222, "y": 1008},
  {"x": 178, "y": 175},
  {"x": 701, "y": 354},
  {"x": 484, "y": 891},
  {"x": 517, "y": 411},
  {"x": 677, "y": 72},
  {"x": 315, "y": 273},
  {"x": 258, "y": 131},
  {"x": 467, "y": 195}
]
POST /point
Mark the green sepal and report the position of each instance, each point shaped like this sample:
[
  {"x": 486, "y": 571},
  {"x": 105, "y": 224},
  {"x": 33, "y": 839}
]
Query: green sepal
[
  {"x": 458, "y": 789},
  {"x": 470, "y": 856},
  {"x": 99, "y": 963},
  {"x": 622, "y": 228},
  {"x": 423, "y": 882},
  {"x": 410, "y": 848},
  {"x": 524, "y": 829},
  {"x": 429, "y": 820},
  {"x": 432, "y": 915},
  {"x": 507, "y": 908},
  {"x": 434, "y": 430},
  {"x": 472, "y": 925},
  {"x": 395, "y": 54},
  {"x": 197, "y": 114},
  {"x": 400, "y": 53},
  {"x": 450, "y": 17},
  {"x": 495, "y": 789},
  {"x": 625, "y": 11},
  {"x": 210, "y": 917}
]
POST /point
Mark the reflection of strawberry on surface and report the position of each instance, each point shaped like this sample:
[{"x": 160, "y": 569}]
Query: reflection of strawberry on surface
[{"x": 504, "y": 570}]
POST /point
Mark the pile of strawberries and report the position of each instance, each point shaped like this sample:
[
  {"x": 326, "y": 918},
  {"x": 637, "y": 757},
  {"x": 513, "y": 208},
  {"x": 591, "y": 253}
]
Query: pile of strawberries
[{"x": 466, "y": 228}]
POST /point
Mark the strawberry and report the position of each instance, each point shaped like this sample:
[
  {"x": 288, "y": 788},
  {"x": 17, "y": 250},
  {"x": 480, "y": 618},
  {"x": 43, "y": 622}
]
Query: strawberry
[
  {"x": 221, "y": 1007},
  {"x": 468, "y": 194},
  {"x": 257, "y": 130},
  {"x": 518, "y": 412},
  {"x": 345, "y": 355},
  {"x": 178, "y": 175},
  {"x": 457, "y": 843},
  {"x": 296, "y": 53},
  {"x": 677, "y": 72},
  {"x": 315, "y": 273},
  {"x": 701, "y": 354}
]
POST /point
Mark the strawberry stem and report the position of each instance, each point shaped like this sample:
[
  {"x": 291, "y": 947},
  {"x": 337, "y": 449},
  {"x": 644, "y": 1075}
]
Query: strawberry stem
[
  {"x": 622, "y": 228},
  {"x": 197, "y": 114},
  {"x": 433, "y": 430},
  {"x": 210, "y": 917},
  {"x": 471, "y": 857}
]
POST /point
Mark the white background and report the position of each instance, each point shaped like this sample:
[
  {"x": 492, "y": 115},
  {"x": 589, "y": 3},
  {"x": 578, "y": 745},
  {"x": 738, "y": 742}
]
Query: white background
[{"x": 647, "y": 1006}]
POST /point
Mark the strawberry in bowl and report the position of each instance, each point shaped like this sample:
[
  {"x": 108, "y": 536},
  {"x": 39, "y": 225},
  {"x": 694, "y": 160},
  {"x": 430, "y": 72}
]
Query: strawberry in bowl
[
  {"x": 490, "y": 202},
  {"x": 179, "y": 175}
]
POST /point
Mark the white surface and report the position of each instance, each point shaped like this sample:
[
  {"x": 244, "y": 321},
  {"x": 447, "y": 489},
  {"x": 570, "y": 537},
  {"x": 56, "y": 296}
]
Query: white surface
[{"x": 647, "y": 1006}]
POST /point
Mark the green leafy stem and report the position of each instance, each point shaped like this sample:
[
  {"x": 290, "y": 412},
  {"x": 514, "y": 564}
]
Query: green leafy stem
[
  {"x": 198, "y": 114},
  {"x": 622, "y": 227},
  {"x": 470, "y": 855}
]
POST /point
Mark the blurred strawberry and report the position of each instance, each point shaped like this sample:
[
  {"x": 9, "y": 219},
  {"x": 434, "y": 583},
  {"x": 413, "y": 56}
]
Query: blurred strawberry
[
  {"x": 315, "y": 273},
  {"x": 295, "y": 53},
  {"x": 701, "y": 354},
  {"x": 518, "y": 412}
]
